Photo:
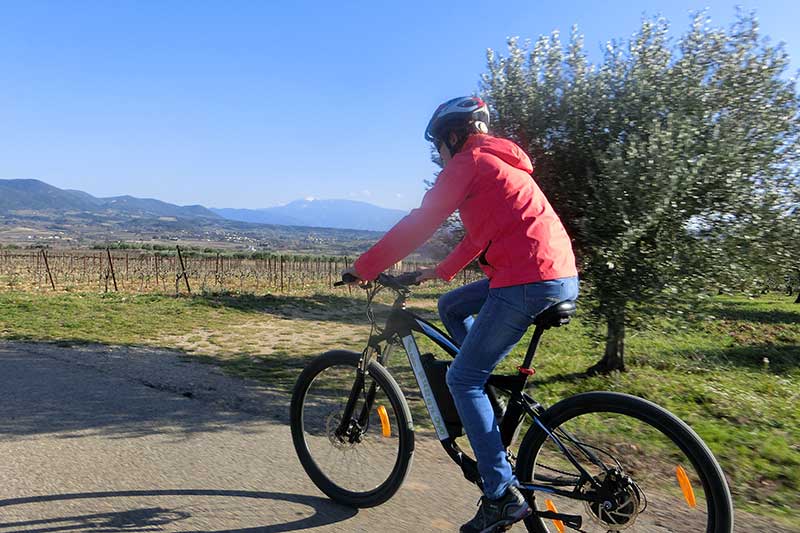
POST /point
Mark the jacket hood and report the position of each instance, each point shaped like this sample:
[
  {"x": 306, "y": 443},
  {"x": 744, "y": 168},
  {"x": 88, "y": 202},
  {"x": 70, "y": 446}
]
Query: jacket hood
[{"x": 504, "y": 149}]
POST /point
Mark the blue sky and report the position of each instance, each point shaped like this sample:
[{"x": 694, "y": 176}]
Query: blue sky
[{"x": 257, "y": 103}]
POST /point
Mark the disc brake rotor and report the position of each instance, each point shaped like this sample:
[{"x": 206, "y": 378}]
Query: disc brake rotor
[
  {"x": 618, "y": 512},
  {"x": 332, "y": 423}
]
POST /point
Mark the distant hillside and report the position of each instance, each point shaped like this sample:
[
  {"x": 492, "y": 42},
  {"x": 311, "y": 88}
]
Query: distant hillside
[
  {"x": 256, "y": 216},
  {"x": 342, "y": 214},
  {"x": 39, "y": 196},
  {"x": 145, "y": 206},
  {"x": 29, "y": 197},
  {"x": 33, "y": 213},
  {"x": 26, "y": 195}
]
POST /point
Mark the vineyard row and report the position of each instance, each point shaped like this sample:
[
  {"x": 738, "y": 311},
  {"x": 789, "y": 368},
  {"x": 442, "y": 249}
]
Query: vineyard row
[{"x": 140, "y": 272}]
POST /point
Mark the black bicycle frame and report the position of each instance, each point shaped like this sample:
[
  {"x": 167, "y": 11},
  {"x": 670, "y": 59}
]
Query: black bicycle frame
[{"x": 400, "y": 328}]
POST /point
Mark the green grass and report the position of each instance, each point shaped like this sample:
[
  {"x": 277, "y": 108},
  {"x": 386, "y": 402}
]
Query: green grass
[
  {"x": 105, "y": 318},
  {"x": 136, "y": 319},
  {"x": 731, "y": 369},
  {"x": 710, "y": 371}
]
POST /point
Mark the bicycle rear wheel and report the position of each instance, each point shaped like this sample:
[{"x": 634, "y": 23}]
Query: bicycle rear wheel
[
  {"x": 647, "y": 470},
  {"x": 363, "y": 461}
]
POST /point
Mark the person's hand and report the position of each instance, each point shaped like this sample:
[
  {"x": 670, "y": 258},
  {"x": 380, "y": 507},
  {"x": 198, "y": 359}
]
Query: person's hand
[
  {"x": 426, "y": 274},
  {"x": 352, "y": 271}
]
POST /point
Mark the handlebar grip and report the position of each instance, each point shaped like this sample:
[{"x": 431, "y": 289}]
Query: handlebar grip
[
  {"x": 346, "y": 278},
  {"x": 408, "y": 278}
]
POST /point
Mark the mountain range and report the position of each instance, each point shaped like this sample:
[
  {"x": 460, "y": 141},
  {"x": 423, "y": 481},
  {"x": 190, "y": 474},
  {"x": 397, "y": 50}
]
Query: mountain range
[
  {"x": 22, "y": 196},
  {"x": 32, "y": 198},
  {"x": 320, "y": 213}
]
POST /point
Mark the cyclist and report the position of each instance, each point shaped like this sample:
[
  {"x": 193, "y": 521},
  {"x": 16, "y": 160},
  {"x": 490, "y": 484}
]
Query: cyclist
[{"x": 524, "y": 251}]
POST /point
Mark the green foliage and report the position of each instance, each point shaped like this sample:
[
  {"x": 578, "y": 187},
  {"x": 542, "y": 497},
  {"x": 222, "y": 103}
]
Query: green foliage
[
  {"x": 121, "y": 245},
  {"x": 670, "y": 165}
]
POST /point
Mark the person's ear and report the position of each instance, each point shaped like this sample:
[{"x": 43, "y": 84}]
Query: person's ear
[{"x": 452, "y": 138}]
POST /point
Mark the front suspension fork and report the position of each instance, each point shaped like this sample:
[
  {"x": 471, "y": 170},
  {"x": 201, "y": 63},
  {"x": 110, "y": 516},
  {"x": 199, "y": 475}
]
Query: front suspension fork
[{"x": 356, "y": 391}]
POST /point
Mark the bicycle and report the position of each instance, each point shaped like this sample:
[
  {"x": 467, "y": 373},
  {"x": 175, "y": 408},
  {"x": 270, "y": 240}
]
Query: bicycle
[{"x": 610, "y": 461}]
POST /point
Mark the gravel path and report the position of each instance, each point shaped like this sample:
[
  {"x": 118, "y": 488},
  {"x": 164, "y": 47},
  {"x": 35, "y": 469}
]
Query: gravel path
[
  {"x": 129, "y": 439},
  {"x": 122, "y": 439}
]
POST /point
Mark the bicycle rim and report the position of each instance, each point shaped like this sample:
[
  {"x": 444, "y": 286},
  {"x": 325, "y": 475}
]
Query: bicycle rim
[
  {"x": 645, "y": 473},
  {"x": 362, "y": 458}
]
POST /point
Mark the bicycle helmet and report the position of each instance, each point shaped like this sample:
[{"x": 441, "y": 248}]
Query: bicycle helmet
[{"x": 459, "y": 114}]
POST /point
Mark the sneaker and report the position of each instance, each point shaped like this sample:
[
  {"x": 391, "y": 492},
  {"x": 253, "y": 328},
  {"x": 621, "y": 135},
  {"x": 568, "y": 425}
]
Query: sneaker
[{"x": 498, "y": 515}]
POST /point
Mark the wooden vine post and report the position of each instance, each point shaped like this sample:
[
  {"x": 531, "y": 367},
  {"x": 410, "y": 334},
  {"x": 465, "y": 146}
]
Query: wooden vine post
[
  {"x": 183, "y": 273},
  {"x": 281, "y": 258},
  {"x": 346, "y": 266},
  {"x": 111, "y": 269},
  {"x": 47, "y": 267}
]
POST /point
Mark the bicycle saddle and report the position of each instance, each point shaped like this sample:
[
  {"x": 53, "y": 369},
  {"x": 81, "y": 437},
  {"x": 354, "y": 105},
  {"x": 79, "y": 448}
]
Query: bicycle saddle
[{"x": 557, "y": 315}]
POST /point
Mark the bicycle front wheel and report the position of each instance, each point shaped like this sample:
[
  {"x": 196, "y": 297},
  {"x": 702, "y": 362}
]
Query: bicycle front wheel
[
  {"x": 361, "y": 461},
  {"x": 635, "y": 467}
]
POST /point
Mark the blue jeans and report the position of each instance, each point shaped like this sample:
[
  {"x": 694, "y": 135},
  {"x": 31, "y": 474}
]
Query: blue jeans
[{"x": 504, "y": 315}]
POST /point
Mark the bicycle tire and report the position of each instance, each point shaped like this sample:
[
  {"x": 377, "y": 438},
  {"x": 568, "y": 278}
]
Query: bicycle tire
[
  {"x": 719, "y": 507},
  {"x": 401, "y": 412}
]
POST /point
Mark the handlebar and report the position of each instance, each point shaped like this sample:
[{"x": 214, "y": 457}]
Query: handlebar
[
  {"x": 401, "y": 282},
  {"x": 346, "y": 278}
]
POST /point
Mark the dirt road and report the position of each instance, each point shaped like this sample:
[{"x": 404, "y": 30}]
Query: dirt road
[
  {"x": 121, "y": 439},
  {"x": 98, "y": 439}
]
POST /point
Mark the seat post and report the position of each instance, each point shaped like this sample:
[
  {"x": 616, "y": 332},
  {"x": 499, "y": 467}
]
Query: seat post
[{"x": 537, "y": 334}]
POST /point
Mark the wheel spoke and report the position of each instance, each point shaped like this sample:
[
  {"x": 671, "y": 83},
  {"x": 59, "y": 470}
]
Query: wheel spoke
[
  {"x": 631, "y": 456},
  {"x": 360, "y": 461}
]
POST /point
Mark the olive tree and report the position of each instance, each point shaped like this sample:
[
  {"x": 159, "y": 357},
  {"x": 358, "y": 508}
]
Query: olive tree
[{"x": 653, "y": 156}]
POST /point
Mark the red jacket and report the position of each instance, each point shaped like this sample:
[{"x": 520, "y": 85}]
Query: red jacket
[{"x": 508, "y": 221}]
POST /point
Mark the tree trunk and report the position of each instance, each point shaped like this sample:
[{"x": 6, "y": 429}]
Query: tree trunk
[
  {"x": 613, "y": 359},
  {"x": 797, "y": 301}
]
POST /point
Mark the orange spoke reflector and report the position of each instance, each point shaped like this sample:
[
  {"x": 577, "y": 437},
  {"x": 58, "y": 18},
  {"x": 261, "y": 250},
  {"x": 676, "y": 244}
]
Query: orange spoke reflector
[
  {"x": 386, "y": 428},
  {"x": 552, "y": 508},
  {"x": 686, "y": 486}
]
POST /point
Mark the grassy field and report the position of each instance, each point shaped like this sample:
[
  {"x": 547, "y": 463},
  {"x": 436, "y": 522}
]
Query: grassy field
[{"x": 732, "y": 371}]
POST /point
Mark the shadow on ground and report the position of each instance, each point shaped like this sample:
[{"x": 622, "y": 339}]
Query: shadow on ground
[
  {"x": 121, "y": 392},
  {"x": 573, "y": 377},
  {"x": 347, "y": 308},
  {"x": 749, "y": 312},
  {"x": 343, "y": 309},
  {"x": 776, "y": 358},
  {"x": 152, "y": 518}
]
